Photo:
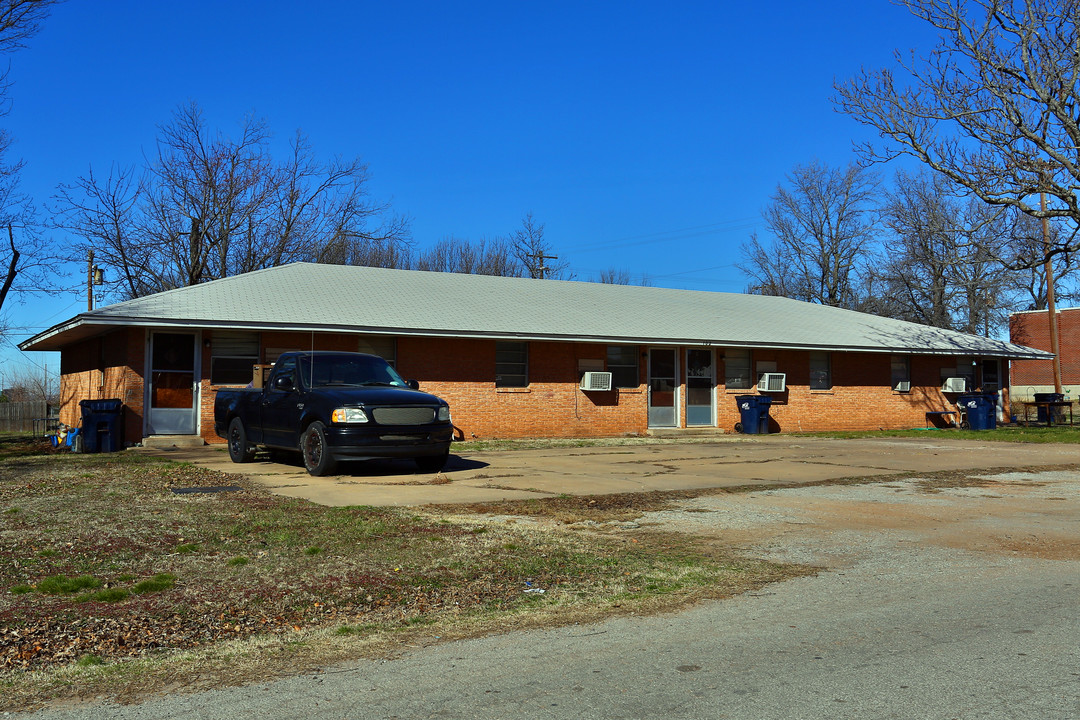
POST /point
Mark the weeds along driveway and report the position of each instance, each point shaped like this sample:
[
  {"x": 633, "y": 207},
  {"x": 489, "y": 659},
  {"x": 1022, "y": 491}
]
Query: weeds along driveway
[{"x": 632, "y": 466}]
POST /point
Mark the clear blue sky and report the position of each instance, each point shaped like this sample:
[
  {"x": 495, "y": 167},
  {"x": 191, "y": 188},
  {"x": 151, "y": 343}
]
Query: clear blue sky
[{"x": 646, "y": 136}]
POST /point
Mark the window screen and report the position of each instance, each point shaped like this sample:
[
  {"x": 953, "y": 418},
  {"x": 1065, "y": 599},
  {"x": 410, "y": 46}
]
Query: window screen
[
  {"x": 622, "y": 363},
  {"x": 901, "y": 370},
  {"x": 232, "y": 354},
  {"x": 511, "y": 364},
  {"x": 737, "y": 369},
  {"x": 820, "y": 370},
  {"x": 384, "y": 347}
]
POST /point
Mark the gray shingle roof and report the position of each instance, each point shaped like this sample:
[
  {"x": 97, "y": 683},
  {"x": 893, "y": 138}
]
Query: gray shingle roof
[{"x": 307, "y": 296}]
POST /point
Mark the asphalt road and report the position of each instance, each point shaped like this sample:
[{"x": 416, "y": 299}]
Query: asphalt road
[{"x": 962, "y": 603}]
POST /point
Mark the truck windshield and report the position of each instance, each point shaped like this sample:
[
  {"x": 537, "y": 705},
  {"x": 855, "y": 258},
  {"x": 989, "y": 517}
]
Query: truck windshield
[{"x": 347, "y": 371}]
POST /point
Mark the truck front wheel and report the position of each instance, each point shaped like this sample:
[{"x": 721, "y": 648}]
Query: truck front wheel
[
  {"x": 239, "y": 450},
  {"x": 316, "y": 454}
]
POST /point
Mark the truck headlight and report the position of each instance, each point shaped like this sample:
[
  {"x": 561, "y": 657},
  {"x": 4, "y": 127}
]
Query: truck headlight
[
  {"x": 444, "y": 414},
  {"x": 348, "y": 415}
]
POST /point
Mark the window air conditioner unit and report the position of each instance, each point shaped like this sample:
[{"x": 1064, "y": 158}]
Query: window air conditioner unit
[
  {"x": 903, "y": 386},
  {"x": 954, "y": 385},
  {"x": 772, "y": 382},
  {"x": 596, "y": 381}
]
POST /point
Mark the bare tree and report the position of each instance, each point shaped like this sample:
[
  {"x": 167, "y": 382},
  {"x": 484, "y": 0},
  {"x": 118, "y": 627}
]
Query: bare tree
[
  {"x": 613, "y": 276},
  {"x": 456, "y": 255},
  {"x": 207, "y": 206},
  {"x": 994, "y": 107},
  {"x": 822, "y": 227},
  {"x": 28, "y": 384},
  {"x": 536, "y": 254},
  {"x": 20, "y": 20},
  {"x": 1027, "y": 285},
  {"x": 27, "y": 262}
]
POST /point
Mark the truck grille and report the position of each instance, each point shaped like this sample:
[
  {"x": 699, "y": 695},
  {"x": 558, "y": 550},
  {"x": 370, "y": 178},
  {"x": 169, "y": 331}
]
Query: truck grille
[{"x": 403, "y": 415}]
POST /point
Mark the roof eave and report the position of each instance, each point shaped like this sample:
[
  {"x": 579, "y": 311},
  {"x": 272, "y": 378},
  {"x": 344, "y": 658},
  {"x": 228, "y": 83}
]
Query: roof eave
[{"x": 54, "y": 338}]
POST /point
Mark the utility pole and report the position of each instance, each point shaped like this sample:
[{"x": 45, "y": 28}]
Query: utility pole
[
  {"x": 540, "y": 257},
  {"x": 90, "y": 279},
  {"x": 1050, "y": 294},
  {"x": 94, "y": 276}
]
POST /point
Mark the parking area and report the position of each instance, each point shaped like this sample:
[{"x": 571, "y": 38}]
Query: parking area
[{"x": 763, "y": 461}]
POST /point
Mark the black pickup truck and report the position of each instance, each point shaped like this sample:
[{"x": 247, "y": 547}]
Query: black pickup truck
[{"x": 333, "y": 406}]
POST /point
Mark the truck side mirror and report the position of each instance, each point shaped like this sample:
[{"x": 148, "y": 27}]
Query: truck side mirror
[
  {"x": 283, "y": 383},
  {"x": 413, "y": 385}
]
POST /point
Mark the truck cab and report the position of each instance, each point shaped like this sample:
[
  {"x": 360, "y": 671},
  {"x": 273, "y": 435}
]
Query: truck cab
[{"x": 334, "y": 406}]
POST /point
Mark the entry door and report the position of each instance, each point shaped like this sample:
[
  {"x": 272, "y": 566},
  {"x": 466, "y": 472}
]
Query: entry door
[
  {"x": 173, "y": 397},
  {"x": 663, "y": 387},
  {"x": 700, "y": 385}
]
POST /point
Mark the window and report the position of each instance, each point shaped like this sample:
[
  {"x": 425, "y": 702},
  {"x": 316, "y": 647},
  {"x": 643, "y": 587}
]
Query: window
[
  {"x": 820, "y": 370},
  {"x": 622, "y": 363},
  {"x": 901, "y": 373},
  {"x": 384, "y": 347},
  {"x": 737, "y": 369},
  {"x": 511, "y": 364},
  {"x": 231, "y": 356}
]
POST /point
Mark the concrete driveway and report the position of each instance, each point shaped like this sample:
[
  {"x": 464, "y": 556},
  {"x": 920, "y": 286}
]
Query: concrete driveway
[{"x": 767, "y": 461}]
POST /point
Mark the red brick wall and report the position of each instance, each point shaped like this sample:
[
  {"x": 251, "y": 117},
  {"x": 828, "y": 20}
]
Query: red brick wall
[
  {"x": 106, "y": 367},
  {"x": 463, "y": 372},
  {"x": 1033, "y": 329},
  {"x": 861, "y": 398}
]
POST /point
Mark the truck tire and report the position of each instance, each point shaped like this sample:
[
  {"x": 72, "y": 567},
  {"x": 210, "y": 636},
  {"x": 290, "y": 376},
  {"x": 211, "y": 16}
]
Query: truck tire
[
  {"x": 316, "y": 453},
  {"x": 239, "y": 450},
  {"x": 432, "y": 463}
]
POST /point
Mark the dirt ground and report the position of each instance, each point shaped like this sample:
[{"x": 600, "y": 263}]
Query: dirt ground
[
  {"x": 477, "y": 476},
  {"x": 1016, "y": 514}
]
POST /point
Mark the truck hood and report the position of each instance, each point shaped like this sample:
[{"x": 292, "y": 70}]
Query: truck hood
[{"x": 378, "y": 395}]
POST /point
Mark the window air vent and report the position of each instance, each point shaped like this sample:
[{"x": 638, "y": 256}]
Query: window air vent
[
  {"x": 596, "y": 381},
  {"x": 772, "y": 382},
  {"x": 954, "y": 385}
]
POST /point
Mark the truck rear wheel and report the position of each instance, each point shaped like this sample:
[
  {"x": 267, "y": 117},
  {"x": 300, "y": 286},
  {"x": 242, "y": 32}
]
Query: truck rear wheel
[
  {"x": 239, "y": 450},
  {"x": 316, "y": 453}
]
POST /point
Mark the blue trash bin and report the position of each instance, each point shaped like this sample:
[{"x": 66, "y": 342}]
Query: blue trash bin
[
  {"x": 102, "y": 430},
  {"x": 981, "y": 410},
  {"x": 753, "y": 414}
]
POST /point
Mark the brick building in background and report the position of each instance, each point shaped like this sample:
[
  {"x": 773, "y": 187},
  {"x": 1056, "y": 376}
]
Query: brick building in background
[
  {"x": 510, "y": 354},
  {"x": 1032, "y": 329}
]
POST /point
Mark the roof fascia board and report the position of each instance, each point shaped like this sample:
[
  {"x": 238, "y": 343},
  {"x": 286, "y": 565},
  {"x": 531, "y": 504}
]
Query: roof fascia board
[{"x": 83, "y": 320}]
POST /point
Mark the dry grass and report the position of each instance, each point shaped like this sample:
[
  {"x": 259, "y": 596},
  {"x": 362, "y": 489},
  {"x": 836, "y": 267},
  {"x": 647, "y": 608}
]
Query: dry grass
[{"x": 210, "y": 589}]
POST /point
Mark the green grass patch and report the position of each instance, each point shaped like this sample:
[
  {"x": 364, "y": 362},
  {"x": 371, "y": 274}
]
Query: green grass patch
[
  {"x": 187, "y": 548},
  {"x": 161, "y": 581},
  {"x": 238, "y": 561},
  {"x": 63, "y": 585},
  {"x": 89, "y": 661},
  {"x": 1005, "y": 433},
  {"x": 22, "y": 589},
  {"x": 108, "y": 595}
]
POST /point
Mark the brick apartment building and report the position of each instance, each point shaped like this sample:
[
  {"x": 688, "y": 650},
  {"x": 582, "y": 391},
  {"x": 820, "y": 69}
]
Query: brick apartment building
[
  {"x": 1037, "y": 376},
  {"x": 510, "y": 354}
]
